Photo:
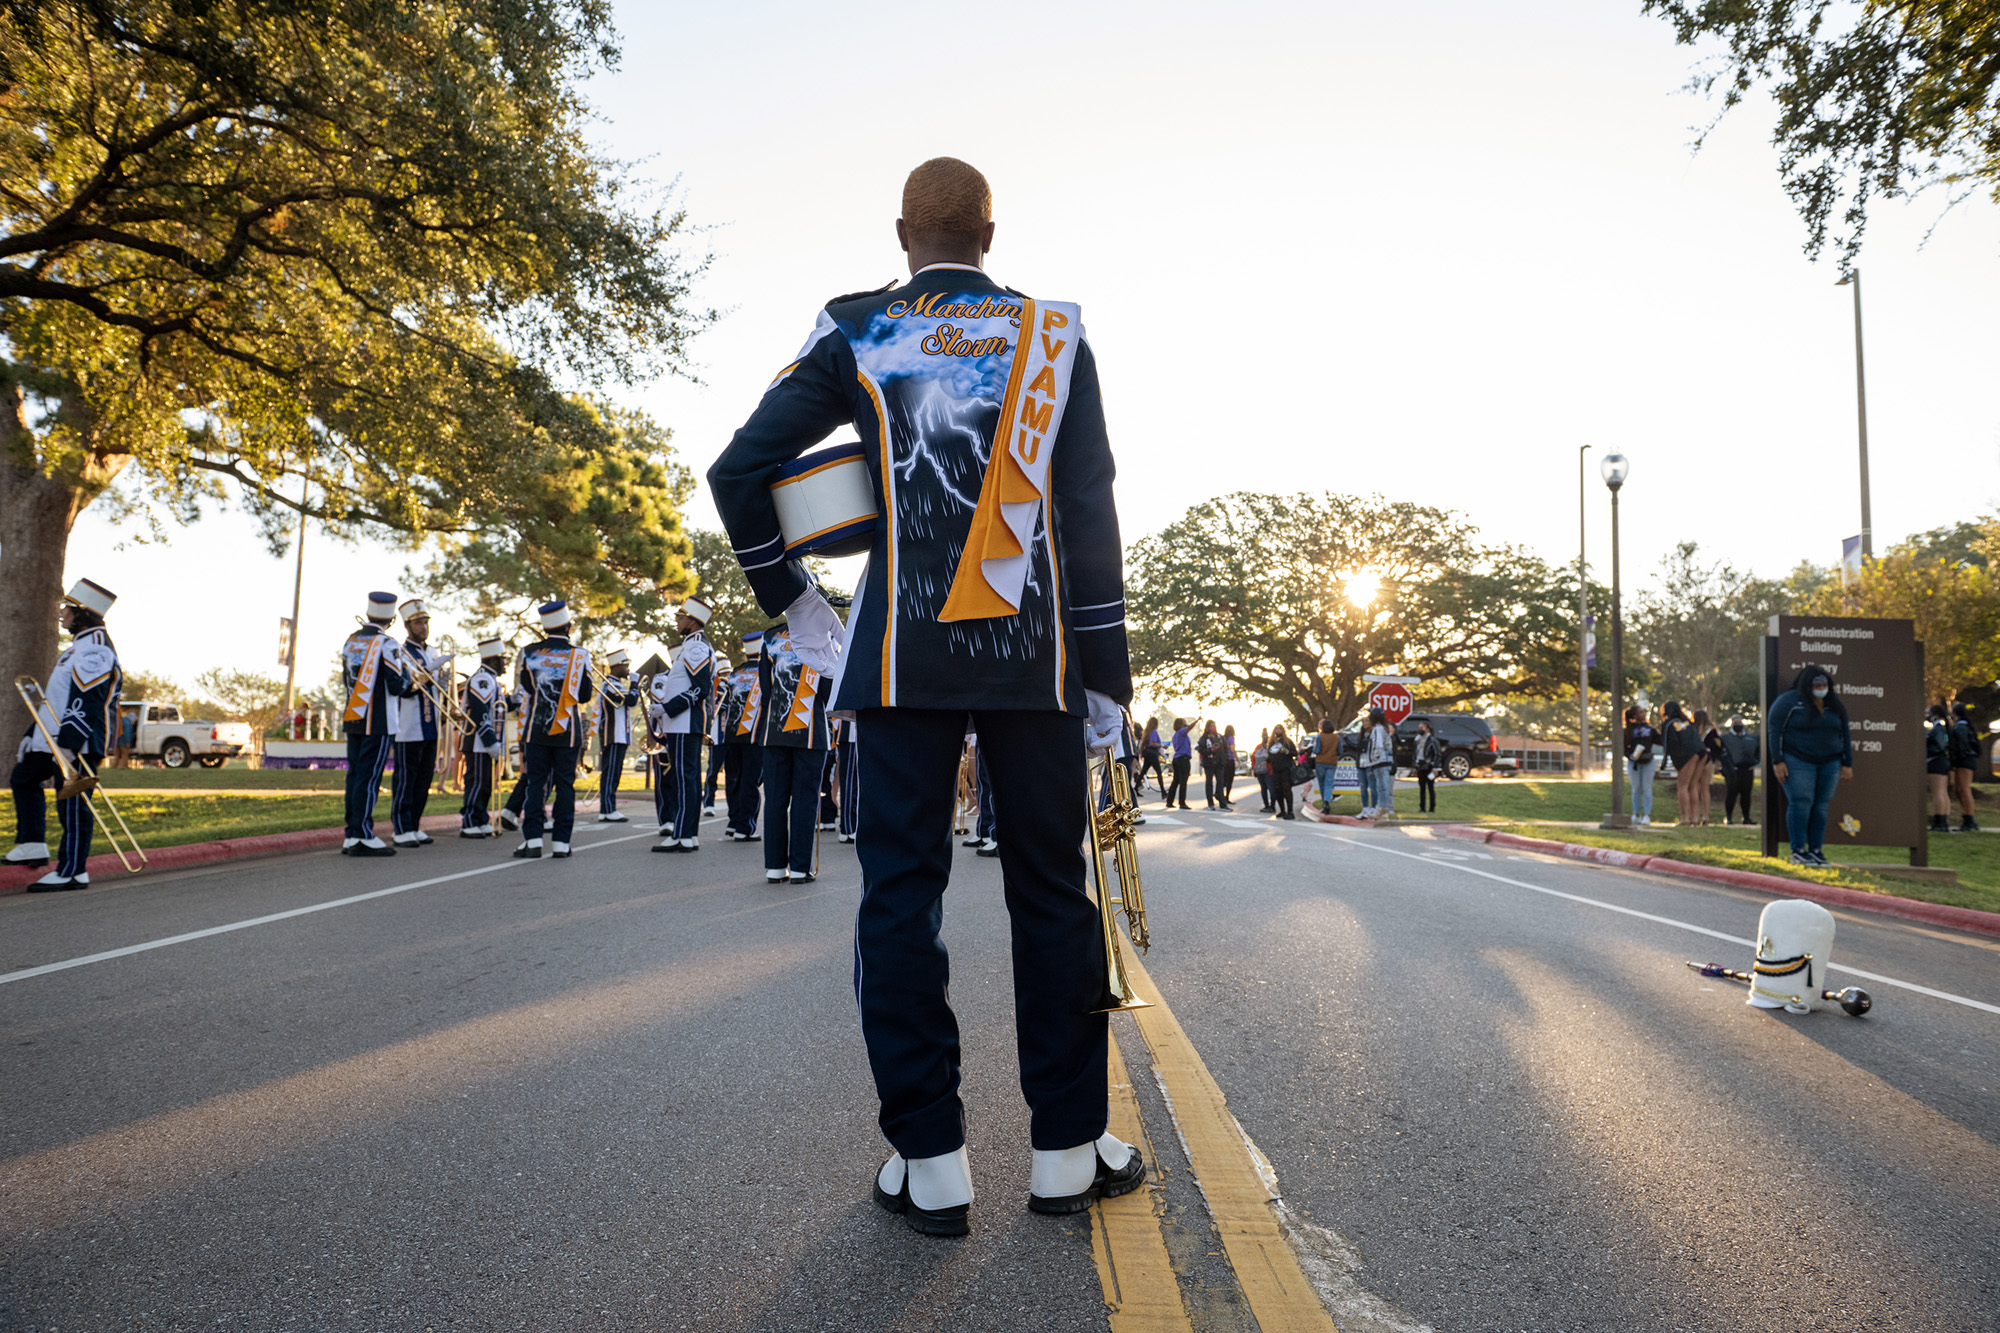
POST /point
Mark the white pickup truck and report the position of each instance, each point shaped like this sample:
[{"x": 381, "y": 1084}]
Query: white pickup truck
[{"x": 163, "y": 733}]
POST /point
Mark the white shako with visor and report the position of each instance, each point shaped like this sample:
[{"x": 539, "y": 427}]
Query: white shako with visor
[{"x": 1794, "y": 948}]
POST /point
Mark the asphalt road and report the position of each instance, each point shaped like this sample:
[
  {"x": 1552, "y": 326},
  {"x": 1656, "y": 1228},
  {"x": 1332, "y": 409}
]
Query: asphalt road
[{"x": 627, "y": 1091}]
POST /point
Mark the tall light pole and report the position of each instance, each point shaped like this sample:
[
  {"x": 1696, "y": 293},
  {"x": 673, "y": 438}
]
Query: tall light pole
[
  {"x": 1582, "y": 630},
  {"x": 1615, "y": 468},
  {"x": 298, "y": 585},
  {"x": 1852, "y": 278}
]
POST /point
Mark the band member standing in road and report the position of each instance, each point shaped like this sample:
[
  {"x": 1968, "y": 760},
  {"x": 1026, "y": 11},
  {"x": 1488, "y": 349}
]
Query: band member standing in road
[
  {"x": 742, "y": 760},
  {"x": 416, "y": 730},
  {"x": 82, "y": 714},
  {"x": 678, "y": 716},
  {"x": 1010, "y": 608},
  {"x": 486, "y": 705},
  {"x": 614, "y": 730},
  {"x": 555, "y": 679},
  {"x": 372, "y": 672},
  {"x": 795, "y": 739}
]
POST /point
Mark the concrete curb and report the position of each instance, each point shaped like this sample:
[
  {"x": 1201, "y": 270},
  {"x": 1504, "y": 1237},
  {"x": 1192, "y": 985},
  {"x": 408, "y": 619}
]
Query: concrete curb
[
  {"x": 105, "y": 868},
  {"x": 1884, "y": 904}
]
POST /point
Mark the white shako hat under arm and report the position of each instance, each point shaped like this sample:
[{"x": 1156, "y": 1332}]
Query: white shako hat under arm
[
  {"x": 411, "y": 609},
  {"x": 91, "y": 596},
  {"x": 1794, "y": 947},
  {"x": 753, "y": 644},
  {"x": 555, "y": 615},
  {"x": 381, "y": 607},
  {"x": 617, "y": 657},
  {"x": 495, "y": 647},
  {"x": 697, "y": 609}
]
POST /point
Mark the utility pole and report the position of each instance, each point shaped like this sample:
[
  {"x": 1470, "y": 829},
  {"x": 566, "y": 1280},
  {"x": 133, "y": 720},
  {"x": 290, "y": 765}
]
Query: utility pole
[
  {"x": 1582, "y": 630},
  {"x": 1852, "y": 278},
  {"x": 298, "y": 583}
]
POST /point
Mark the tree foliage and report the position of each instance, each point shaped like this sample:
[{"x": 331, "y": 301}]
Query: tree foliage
[
  {"x": 242, "y": 696},
  {"x": 346, "y": 244},
  {"x": 1876, "y": 100},
  {"x": 1699, "y": 628},
  {"x": 1954, "y": 602},
  {"x": 1261, "y": 595}
]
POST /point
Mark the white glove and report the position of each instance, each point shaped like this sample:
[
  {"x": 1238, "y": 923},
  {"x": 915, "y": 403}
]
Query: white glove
[
  {"x": 816, "y": 631},
  {"x": 21, "y": 750},
  {"x": 75, "y": 764},
  {"x": 1106, "y": 717}
]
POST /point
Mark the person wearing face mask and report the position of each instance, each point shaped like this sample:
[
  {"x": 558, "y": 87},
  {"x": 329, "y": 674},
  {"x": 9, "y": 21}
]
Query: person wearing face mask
[
  {"x": 1740, "y": 752},
  {"x": 1808, "y": 728}
]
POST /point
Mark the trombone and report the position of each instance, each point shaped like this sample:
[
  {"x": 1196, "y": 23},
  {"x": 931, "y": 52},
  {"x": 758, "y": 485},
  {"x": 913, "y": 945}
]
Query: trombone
[
  {"x": 1113, "y": 826},
  {"x": 442, "y": 699},
  {"x": 78, "y": 781}
]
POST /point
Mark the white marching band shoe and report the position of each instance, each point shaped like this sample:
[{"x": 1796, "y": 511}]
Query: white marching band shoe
[
  {"x": 559, "y": 850},
  {"x": 53, "y": 882},
  {"x": 1069, "y": 1179},
  {"x": 407, "y": 840},
  {"x": 366, "y": 847},
  {"x": 933, "y": 1194},
  {"x": 529, "y": 850},
  {"x": 613, "y": 817},
  {"x": 29, "y": 854},
  {"x": 483, "y": 831},
  {"x": 774, "y": 877},
  {"x": 509, "y": 820}
]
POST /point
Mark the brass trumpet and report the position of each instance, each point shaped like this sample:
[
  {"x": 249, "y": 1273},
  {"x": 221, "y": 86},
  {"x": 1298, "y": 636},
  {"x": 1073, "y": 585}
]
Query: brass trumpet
[
  {"x": 1114, "y": 826},
  {"x": 78, "y": 781}
]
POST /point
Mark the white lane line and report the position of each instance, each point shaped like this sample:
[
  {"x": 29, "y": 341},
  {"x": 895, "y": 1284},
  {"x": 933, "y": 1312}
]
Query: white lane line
[
  {"x": 1246, "y": 823},
  {"x": 1662, "y": 920},
  {"x": 109, "y": 954},
  {"x": 1164, "y": 819}
]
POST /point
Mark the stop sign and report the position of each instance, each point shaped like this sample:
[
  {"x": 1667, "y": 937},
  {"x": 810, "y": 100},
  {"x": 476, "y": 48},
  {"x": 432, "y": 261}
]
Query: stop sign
[{"x": 1393, "y": 700}]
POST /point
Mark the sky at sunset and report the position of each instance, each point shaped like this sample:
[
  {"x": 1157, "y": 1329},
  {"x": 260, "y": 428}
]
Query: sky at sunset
[{"x": 1425, "y": 252}]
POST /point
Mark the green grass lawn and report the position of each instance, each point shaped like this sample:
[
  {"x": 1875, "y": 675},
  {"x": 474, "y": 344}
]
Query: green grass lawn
[
  {"x": 231, "y": 777},
  {"x": 174, "y": 818},
  {"x": 1552, "y": 810}
]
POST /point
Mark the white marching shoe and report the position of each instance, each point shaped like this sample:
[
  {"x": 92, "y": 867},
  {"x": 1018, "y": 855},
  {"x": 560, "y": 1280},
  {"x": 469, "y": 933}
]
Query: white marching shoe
[
  {"x": 54, "y": 882},
  {"x": 933, "y": 1194},
  {"x": 559, "y": 850},
  {"x": 29, "y": 854},
  {"x": 613, "y": 817},
  {"x": 407, "y": 839},
  {"x": 1069, "y": 1179}
]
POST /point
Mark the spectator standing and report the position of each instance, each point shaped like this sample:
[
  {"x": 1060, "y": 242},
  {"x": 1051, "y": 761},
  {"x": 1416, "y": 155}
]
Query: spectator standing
[
  {"x": 1682, "y": 743},
  {"x": 1937, "y": 765},
  {"x": 1711, "y": 751},
  {"x": 128, "y": 736},
  {"x": 1326, "y": 756},
  {"x": 1228, "y": 757},
  {"x": 1281, "y": 752},
  {"x": 1642, "y": 753},
  {"x": 1177, "y": 789},
  {"x": 1808, "y": 731},
  {"x": 1260, "y": 766},
  {"x": 1149, "y": 758},
  {"x": 1209, "y": 748},
  {"x": 1429, "y": 758},
  {"x": 1964, "y": 758},
  {"x": 1740, "y": 752},
  {"x": 1378, "y": 767}
]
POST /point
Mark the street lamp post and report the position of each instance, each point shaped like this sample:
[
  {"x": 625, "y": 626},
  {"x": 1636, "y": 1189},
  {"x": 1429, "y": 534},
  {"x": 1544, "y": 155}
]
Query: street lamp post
[
  {"x": 1582, "y": 631},
  {"x": 1615, "y": 468},
  {"x": 1852, "y": 278}
]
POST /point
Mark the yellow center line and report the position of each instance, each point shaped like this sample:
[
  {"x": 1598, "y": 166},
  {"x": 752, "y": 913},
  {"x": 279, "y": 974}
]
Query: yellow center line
[
  {"x": 1280, "y": 1297},
  {"x": 1125, "y": 1239}
]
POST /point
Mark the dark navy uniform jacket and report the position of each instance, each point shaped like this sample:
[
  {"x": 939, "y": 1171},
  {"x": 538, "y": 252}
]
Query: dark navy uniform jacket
[
  {"x": 545, "y": 665},
  {"x": 922, "y": 373},
  {"x": 378, "y": 716},
  {"x": 738, "y": 711},
  {"x": 795, "y": 697}
]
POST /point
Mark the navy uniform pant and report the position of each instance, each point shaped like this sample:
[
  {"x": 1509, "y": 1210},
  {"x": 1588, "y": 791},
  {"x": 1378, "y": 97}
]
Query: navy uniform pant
[
  {"x": 366, "y": 757},
  {"x": 478, "y": 790},
  {"x": 410, "y": 793},
  {"x": 987, "y": 825},
  {"x": 850, "y": 785},
  {"x": 663, "y": 789},
  {"x": 742, "y": 769},
  {"x": 610, "y": 768},
  {"x": 681, "y": 786},
  {"x": 547, "y": 767},
  {"x": 908, "y": 767},
  {"x": 31, "y": 811},
  {"x": 791, "y": 806},
  {"x": 714, "y": 771}
]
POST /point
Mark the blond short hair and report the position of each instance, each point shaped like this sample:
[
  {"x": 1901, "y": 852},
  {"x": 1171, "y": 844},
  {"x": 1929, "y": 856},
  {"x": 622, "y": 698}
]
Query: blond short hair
[{"x": 946, "y": 198}]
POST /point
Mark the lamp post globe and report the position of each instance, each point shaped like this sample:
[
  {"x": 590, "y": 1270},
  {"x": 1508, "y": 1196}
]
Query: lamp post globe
[{"x": 1614, "y": 467}]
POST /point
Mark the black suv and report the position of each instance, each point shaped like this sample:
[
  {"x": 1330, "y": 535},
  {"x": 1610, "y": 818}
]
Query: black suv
[{"x": 1466, "y": 739}]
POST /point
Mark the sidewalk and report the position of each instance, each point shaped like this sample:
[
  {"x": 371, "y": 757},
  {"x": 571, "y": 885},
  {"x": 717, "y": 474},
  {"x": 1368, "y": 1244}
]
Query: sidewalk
[{"x": 1909, "y": 909}]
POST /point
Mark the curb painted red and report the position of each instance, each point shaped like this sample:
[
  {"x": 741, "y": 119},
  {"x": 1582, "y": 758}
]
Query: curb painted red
[
  {"x": 106, "y": 868},
  {"x": 1908, "y": 909}
]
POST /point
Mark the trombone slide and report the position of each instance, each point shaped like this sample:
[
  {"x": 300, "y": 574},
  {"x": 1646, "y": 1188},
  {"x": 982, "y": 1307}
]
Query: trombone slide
[{"x": 78, "y": 781}]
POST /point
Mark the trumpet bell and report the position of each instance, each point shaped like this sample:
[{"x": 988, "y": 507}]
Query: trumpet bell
[{"x": 1114, "y": 826}]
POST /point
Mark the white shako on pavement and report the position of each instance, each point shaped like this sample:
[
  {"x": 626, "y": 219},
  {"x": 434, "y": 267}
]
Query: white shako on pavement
[
  {"x": 1794, "y": 947},
  {"x": 994, "y": 588},
  {"x": 80, "y": 712}
]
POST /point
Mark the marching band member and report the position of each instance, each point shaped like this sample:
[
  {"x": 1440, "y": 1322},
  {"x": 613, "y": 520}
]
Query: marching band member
[
  {"x": 371, "y": 671},
  {"x": 795, "y": 740},
  {"x": 486, "y": 705},
  {"x": 555, "y": 682},
  {"x": 416, "y": 730},
  {"x": 679, "y": 718},
  {"x": 614, "y": 728},
  {"x": 82, "y": 714},
  {"x": 715, "y": 711},
  {"x": 995, "y": 394},
  {"x": 742, "y": 762}
]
